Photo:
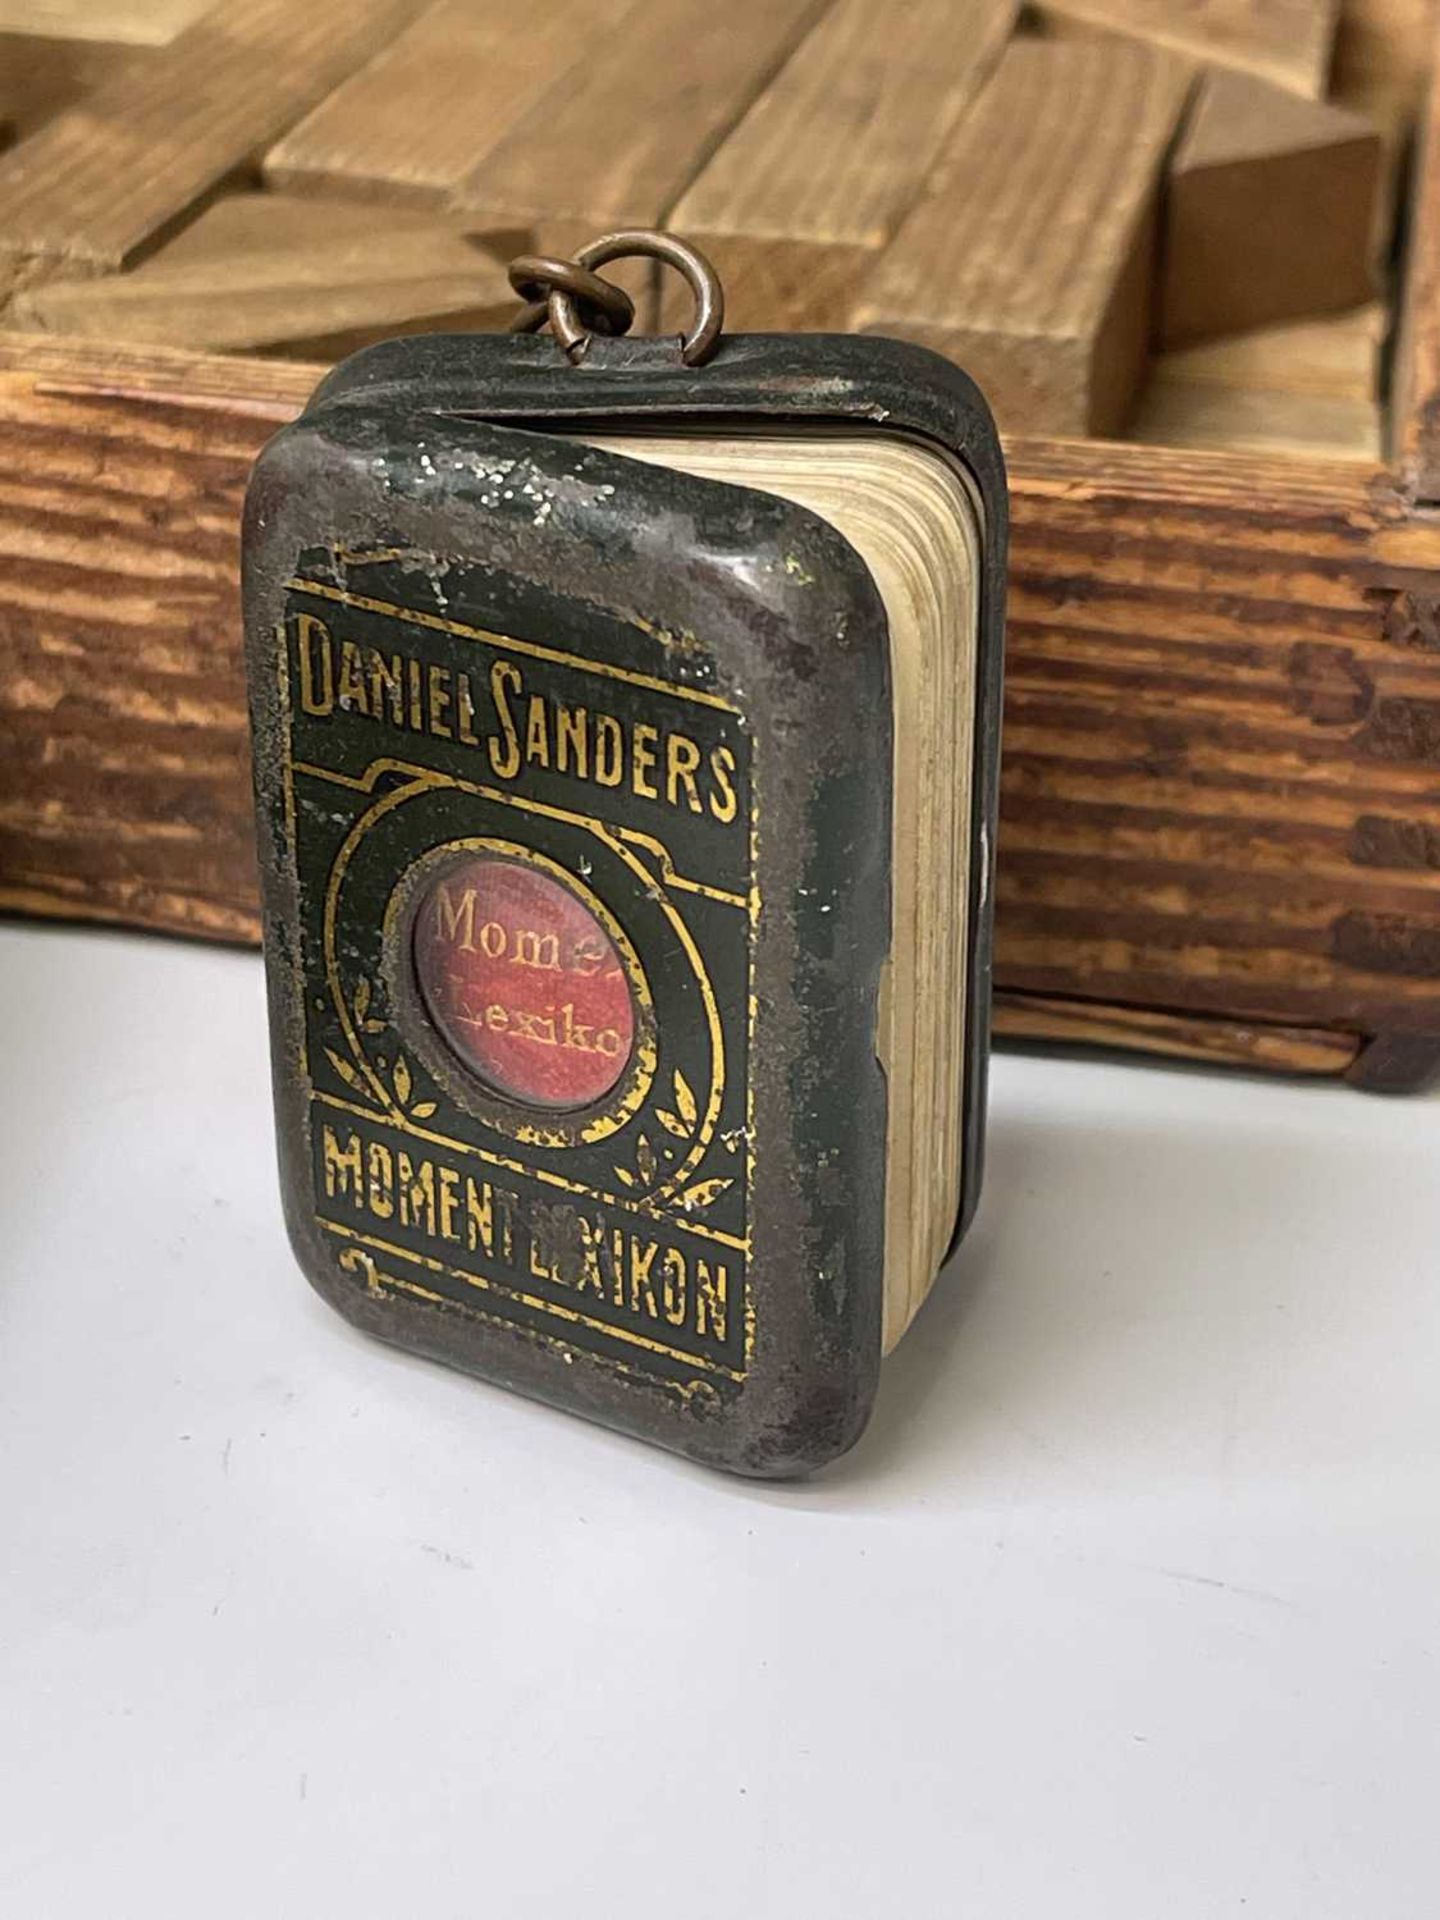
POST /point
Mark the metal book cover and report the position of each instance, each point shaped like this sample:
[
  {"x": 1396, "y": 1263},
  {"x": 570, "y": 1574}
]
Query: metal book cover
[{"x": 574, "y": 785}]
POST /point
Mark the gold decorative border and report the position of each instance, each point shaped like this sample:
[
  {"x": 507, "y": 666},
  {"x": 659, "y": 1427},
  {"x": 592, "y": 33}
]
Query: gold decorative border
[
  {"x": 427, "y": 779},
  {"x": 357, "y": 1260},
  {"x": 749, "y": 902}
]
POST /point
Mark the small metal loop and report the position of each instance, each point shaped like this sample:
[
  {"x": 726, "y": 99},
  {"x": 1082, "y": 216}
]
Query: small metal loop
[
  {"x": 535, "y": 277},
  {"x": 563, "y": 307}
]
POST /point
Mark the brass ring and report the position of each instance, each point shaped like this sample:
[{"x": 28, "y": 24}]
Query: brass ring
[
  {"x": 535, "y": 276},
  {"x": 562, "y": 308}
]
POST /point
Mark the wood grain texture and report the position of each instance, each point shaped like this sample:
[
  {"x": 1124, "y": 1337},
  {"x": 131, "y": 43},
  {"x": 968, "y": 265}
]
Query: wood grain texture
[
  {"x": 1338, "y": 357},
  {"x": 269, "y": 270},
  {"x": 40, "y": 77},
  {"x": 1030, "y": 258},
  {"x": 1245, "y": 243},
  {"x": 1383, "y": 51},
  {"x": 1209, "y": 1040},
  {"x": 798, "y": 201},
  {"x": 144, "y": 23},
  {"x": 1415, "y": 396},
  {"x": 1182, "y": 413},
  {"x": 1288, "y": 42},
  {"x": 421, "y": 116},
  {"x": 1310, "y": 387},
  {"x": 97, "y": 185},
  {"x": 617, "y": 141},
  {"x": 1222, "y": 720},
  {"x": 1222, "y": 733}
]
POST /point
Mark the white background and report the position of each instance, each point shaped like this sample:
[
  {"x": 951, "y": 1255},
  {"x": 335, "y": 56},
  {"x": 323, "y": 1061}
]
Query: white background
[{"x": 1127, "y": 1605}]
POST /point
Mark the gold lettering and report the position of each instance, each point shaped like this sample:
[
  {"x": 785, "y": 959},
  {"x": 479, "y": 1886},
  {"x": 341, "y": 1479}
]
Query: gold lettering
[
  {"x": 380, "y": 1187},
  {"x": 533, "y": 1026},
  {"x": 723, "y": 803},
  {"x": 587, "y": 956},
  {"x": 572, "y": 741},
  {"x": 506, "y": 762},
  {"x": 417, "y": 710},
  {"x": 387, "y": 696},
  {"x": 640, "y": 1265},
  {"x": 536, "y": 950},
  {"x": 417, "y": 1194},
  {"x": 465, "y": 710},
  {"x": 479, "y": 1217},
  {"x": 537, "y": 738},
  {"x": 682, "y": 759},
  {"x": 492, "y": 940},
  {"x": 342, "y": 1166},
  {"x": 316, "y": 695},
  {"x": 609, "y": 751},
  {"x": 352, "y": 680},
  {"x": 711, "y": 1298},
  {"x": 575, "y": 1034},
  {"x": 496, "y": 1018},
  {"x": 642, "y": 760},
  {"x": 439, "y": 688},
  {"x": 456, "y": 924},
  {"x": 673, "y": 1289},
  {"x": 449, "y": 1202},
  {"x": 590, "y": 1277}
]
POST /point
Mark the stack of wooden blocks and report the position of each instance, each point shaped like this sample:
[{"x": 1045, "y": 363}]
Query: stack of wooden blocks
[
  {"x": 1126, "y": 217},
  {"x": 1208, "y": 229}
]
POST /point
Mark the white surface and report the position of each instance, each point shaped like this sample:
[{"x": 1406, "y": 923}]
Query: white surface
[{"x": 1126, "y": 1606}]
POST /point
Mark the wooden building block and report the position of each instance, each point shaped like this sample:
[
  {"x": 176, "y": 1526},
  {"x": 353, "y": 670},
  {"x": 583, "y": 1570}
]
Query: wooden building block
[
  {"x": 40, "y": 77},
  {"x": 1180, "y": 413},
  {"x": 409, "y": 126},
  {"x": 263, "y": 271},
  {"x": 616, "y": 142},
  {"x": 1310, "y": 388},
  {"x": 1288, "y": 42},
  {"x": 797, "y": 203},
  {"x": 96, "y": 186},
  {"x": 1383, "y": 51},
  {"x": 1335, "y": 358},
  {"x": 140, "y": 23},
  {"x": 1270, "y": 211},
  {"x": 1029, "y": 260}
]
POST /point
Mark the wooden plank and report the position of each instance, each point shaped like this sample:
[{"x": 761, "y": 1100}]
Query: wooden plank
[
  {"x": 266, "y": 270},
  {"x": 1415, "y": 402},
  {"x": 140, "y": 23},
  {"x": 1288, "y": 42},
  {"x": 796, "y": 204},
  {"x": 1383, "y": 51},
  {"x": 93, "y": 188},
  {"x": 1257, "y": 1046},
  {"x": 616, "y": 142},
  {"x": 1030, "y": 258},
  {"x": 1309, "y": 387},
  {"x": 409, "y": 126},
  {"x": 1182, "y": 413},
  {"x": 1336, "y": 358},
  {"x": 1270, "y": 211},
  {"x": 42, "y": 77},
  {"x": 1222, "y": 716}
]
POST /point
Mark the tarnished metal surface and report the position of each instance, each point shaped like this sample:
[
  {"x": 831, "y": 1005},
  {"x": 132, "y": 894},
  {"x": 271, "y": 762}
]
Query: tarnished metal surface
[
  {"x": 399, "y": 516},
  {"x": 576, "y": 299}
]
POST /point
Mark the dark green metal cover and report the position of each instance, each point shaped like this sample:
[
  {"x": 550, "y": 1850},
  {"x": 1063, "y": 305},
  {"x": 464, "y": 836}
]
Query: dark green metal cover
[{"x": 658, "y": 709}]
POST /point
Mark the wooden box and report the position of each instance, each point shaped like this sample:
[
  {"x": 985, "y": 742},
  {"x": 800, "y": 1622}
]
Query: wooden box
[{"x": 1221, "y": 791}]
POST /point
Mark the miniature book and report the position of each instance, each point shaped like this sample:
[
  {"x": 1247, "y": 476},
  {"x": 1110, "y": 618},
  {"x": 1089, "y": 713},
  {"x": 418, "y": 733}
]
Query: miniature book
[{"x": 625, "y": 758}]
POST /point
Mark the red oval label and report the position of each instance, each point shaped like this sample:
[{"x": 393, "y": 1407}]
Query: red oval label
[{"x": 524, "y": 982}]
